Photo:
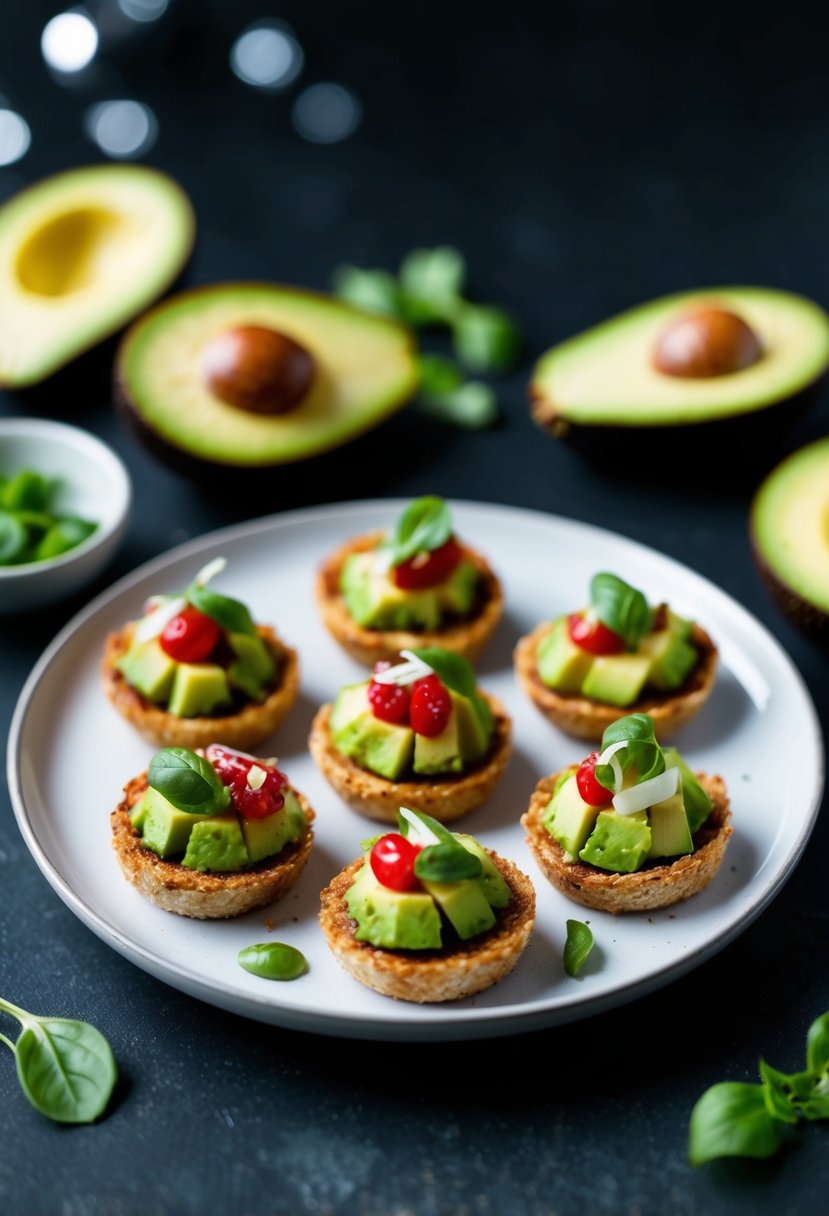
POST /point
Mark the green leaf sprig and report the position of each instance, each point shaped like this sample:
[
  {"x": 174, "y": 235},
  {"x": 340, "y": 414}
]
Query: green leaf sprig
[
  {"x": 425, "y": 525},
  {"x": 448, "y": 861},
  {"x": 740, "y": 1119},
  {"x": 232, "y": 615},
  {"x": 577, "y": 947},
  {"x": 30, "y": 530},
  {"x": 458, "y": 674},
  {"x": 642, "y": 753},
  {"x": 65, "y": 1067},
  {"x": 621, "y": 607},
  {"x": 428, "y": 292},
  {"x": 188, "y": 781},
  {"x": 273, "y": 961}
]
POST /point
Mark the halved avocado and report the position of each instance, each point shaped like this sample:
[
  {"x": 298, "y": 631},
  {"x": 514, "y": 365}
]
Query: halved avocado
[
  {"x": 789, "y": 529},
  {"x": 81, "y": 254},
  {"x": 682, "y": 362},
  {"x": 251, "y": 375}
]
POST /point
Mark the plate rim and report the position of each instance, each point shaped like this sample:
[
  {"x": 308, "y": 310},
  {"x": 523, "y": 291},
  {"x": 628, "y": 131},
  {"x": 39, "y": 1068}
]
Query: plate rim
[{"x": 476, "y": 1023}]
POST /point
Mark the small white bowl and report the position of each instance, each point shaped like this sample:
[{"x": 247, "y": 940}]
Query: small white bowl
[{"x": 91, "y": 482}]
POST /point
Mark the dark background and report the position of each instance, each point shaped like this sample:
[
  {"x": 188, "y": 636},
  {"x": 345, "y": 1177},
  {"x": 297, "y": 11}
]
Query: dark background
[{"x": 584, "y": 158}]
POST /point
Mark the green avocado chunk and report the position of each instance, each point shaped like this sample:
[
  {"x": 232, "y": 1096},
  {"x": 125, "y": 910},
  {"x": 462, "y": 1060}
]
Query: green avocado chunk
[
  {"x": 618, "y": 842},
  {"x": 568, "y": 817},
  {"x": 492, "y": 882},
  {"x": 440, "y": 753},
  {"x": 375, "y": 601},
  {"x": 217, "y": 843},
  {"x": 396, "y": 920},
  {"x": 616, "y": 679},
  {"x": 163, "y": 828},
  {"x": 198, "y": 688},
  {"x": 253, "y": 669},
  {"x": 672, "y": 657},
  {"x": 561, "y": 663},
  {"x": 147, "y": 669},
  {"x": 269, "y": 836},
  {"x": 696, "y": 801},
  {"x": 670, "y": 834},
  {"x": 464, "y": 905}
]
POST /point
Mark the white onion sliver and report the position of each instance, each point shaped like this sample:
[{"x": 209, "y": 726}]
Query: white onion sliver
[
  {"x": 405, "y": 673},
  {"x": 154, "y": 624},
  {"x": 608, "y": 756},
  {"x": 214, "y": 567},
  {"x": 639, "y": 797},
  {"x": 422, "y": 834}
]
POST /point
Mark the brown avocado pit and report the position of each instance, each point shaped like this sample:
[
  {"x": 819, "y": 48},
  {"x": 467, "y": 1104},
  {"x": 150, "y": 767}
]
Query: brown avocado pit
[
  {"x": 706, "y": 342},
  {"x": 255, "y": 368}
]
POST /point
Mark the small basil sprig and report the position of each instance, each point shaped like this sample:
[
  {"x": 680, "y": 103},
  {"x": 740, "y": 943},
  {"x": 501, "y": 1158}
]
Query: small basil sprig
[
  {"x": 188, "y": 781},
  {"x": 642, "y": 753},
  {"x": 458, "y": 674},
  {"x": 446, "y": 395},
  {"x": 273, "y": 961},
  {"x": 621, "y": 607},
  {"x": 738, "y": 1119},
  {"x": 65, "y": 1067},
  {"x": 231, "y": 614},
  {"x": 425, "y": 525},
  {"x": 447, "y": 862},
  {"x": 578, "y": 945}
]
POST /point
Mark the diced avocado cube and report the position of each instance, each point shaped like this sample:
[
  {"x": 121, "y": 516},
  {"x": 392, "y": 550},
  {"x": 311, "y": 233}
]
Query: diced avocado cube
[
  {"x": 670, "y": 834},
  {"x": 568, "y": 818},
  {"x": 253, "y": 669},
  {"x": 474, "y": 738},
  {"x": 491, "y": 881},
  {"x": 382, "y": 747},
  {"x": 440, "y": 753},
  {"x": 464, "y": 905},
  {"x": 396, "y": 920},
  {"x": 562, "y": 665},
  {"x": 148, "y": 670},
  {"x": 165, "y": 829},
  {"x": 295, "y": 813},
  {"x": 697, "y": 803},
  {"x": 198, "y": 688},
  {"x": 672, "y": 657},
  {"x": 457, "y": 594},
  {"x": 616, "y": 679},
  {"x": 350, "y": 703},
  {"x": 265, "y": 837},
  {"x": 217, "y": 843},
  {"x": 374, "y": 601},
  {"x": 618, "y": 842}
]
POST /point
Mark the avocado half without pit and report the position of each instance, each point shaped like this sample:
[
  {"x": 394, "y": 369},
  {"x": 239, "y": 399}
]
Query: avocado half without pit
[
  {"x": 696, "y": 362},
  {"x": 252, "y": 375},
  {"x": 789, "y": 530},
  {"x": 81, "y": 254}
]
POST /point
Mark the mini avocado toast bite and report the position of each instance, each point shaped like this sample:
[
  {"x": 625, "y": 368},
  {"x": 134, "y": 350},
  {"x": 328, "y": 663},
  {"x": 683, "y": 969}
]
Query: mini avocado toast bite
[
  {"x": 630, "y": 828},
  {"x": 211, "y": 834},
  {"x": 195, "y": 667},
  {"x": 419, "y": 732},
  {"x": 428, "y": 915},
  {"x": 417, "y": 585},
  {"x": 588, "y": 668}
]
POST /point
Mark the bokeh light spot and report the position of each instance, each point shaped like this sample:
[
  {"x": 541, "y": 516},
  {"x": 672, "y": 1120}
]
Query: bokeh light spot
[
  {"x": 15, "y": 137},
  {"x": 121, "y": 129},
  {"x": 143, "y": 10},
  {"x": 267, "y": 56},
  {"x": 69, "y": 41},
  {"x": 326, "y": 113}
]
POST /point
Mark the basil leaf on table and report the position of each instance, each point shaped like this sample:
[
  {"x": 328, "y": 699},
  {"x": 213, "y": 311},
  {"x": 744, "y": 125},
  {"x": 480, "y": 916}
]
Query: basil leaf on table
[
  {"x": 425, "y": 525},
  {"x": 621, "y": 607},
  {"x": 731, "y": 1119},
  {"x": 485, "y": 339},
  {"x": 473, "y": 405},
  {"x": 577, "y": 947},
  {"x": 188, "y": 781},
  {"x": 447, "y": 862},
  {"x": 374, "y": 290},
  {"x": 431, "y": 283},
  {"x": 65, "y": 1067},
  {"x": 232, "y": 615}
]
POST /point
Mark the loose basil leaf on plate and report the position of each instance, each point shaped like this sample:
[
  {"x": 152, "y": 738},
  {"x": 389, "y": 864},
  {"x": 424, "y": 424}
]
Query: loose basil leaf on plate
[
  {"x": 621, "y": 607},
  {"x": 188, "y": 781},
  {"x": 425, "y": 525},
  {"x": 232, "y": 615},
  {"x": 446, "y": 862},
  {"x": 731, "y": 1119},
  {"x": 273, "y": 961},
  {"x": 577, "y": 947}
]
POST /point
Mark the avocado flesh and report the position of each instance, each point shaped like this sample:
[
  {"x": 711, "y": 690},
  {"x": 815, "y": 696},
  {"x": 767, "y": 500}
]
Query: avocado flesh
[
  {"x": 569, "y": 818},
  {"x": 148, "y": 670},
  {"x": 198, "y": 689},
  {"x": 217, "y": 844},
  {"x": 620, "y": 843},
  {"x": 253, "y": 669},
  {"x": 374, "y": 600},
  {"x": 365, "y": 370},
  {"x": 616, "y": 679},
  {"x": 81, "y": 254},
  {"x": 397, "y": 920},
  {"x": 605, "y": 376},
  {"x": 789, "y": 525}
]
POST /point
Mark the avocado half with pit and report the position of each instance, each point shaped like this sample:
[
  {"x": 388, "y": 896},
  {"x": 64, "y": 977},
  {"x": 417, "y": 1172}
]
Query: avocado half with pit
[
  {"x": 789, "y": 530},
  {"x": 694, "y": 363},
  {"x": 81, "y": 254},
  {"x": 252, "y": 375}
]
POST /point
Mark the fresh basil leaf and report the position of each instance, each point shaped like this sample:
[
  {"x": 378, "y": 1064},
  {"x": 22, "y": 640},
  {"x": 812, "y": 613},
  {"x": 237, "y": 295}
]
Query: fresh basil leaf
[
  {"x": 642, "y": 753},
  {"x": 27, "y": 490},
  {"x": 432, "y": 825},
  {"x": 13, "y": 538},
  {"x": 447, "y": 862},
  {"x": 232, "y": 615},
  {"x": 374, "y": 290},
  {"x": 64, "y": 534},
  {"x": 368, "y": 844},
  {"x": 731, "y": 1120},
  {"x": 454, "y": 670},
  {"x": 66, "y": 1068},
  {"x": 431, "y": 282},
  {"x": 188, "y": 781},
  {"x": 578, "y": 945},
  {"x": 817, "y": 1046},
  {"x": 273, "y": 961},
  {"x": 473, "y": 405},
  {"x": 426, "y": 524},
  {"x": 485, "y": 338},
  {"x": 621, "y": 607},
  {"x": 438, "y": 376},
  {"x": 778, "y": 1093},
  {"x": 816, "y": 1104}
]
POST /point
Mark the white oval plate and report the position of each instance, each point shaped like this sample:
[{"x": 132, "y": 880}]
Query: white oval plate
[{"x": 70, "y": 754}]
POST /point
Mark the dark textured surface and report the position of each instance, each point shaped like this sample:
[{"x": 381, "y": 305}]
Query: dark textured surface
[{"x": 583, "y": 161}]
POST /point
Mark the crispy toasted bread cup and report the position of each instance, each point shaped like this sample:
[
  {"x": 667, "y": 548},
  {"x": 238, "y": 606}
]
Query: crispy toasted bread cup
[
  {"x": 244, "y": 729},
  {"x": 466, "y": 636},
  {"x": 449, "y": 974},
  {"x": 585, "y": 718},
  {"x": 204, "y": 896},
  {"x": 444, "y": 796},
  {"x": 659, "y": 885}
]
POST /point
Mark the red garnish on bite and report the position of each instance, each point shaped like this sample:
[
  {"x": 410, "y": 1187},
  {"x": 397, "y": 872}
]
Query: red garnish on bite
[
  {"x": 389, "y": 702},
  {"x": 590, "y": 634},
  {"x": 252, "y": 801},
  {"x": 430, "y": 707},
  {"x": 191, "y": 636},
  {"x": 392, "y": 859},
  {"x": 428, "y": 569},
  {"x": 591, "y": 790}
]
